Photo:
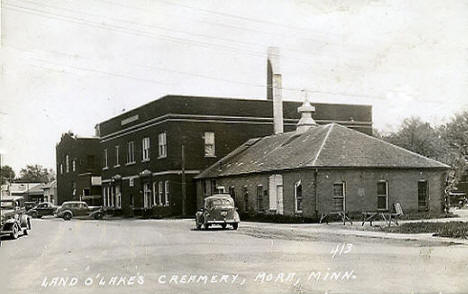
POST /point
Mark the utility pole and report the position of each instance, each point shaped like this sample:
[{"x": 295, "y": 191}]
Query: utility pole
[{"x": 184, "y": 190}]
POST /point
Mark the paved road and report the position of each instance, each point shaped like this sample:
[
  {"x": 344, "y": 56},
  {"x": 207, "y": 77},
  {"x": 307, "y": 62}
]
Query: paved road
[{"x": 168, "y": 256}]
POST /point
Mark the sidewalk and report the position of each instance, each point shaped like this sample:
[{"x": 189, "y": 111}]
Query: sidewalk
[{"x": 356, "y": 229}]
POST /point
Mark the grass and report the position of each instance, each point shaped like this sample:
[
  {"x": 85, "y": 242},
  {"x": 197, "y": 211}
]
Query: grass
[{"x": 447, "y": 229}]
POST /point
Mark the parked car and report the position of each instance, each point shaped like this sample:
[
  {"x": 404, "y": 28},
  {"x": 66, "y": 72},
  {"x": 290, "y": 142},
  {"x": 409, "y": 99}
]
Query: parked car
[
  {"x": 78, "y": 209},
  {"x": 29, "y": 204},
  {"x": 42, "y": 209},
  {"x": 218, "y": 209},
  {"x": 13, "y": 217}
]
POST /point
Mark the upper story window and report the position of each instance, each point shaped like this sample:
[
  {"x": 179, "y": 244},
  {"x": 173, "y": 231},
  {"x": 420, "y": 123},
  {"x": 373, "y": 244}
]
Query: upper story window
[
  {"x": 162, "y": 143},
  {"x": 61, "y": 169},
  {"x": 146, "y": 149},
  {"x": 209, "y": 144},
  {"x": 105, "y": 159},
  {"x": 74, "y": 165},
  {"x": 131, "y": 152},
  {"x": 117, "y": 149},
  {"x": 67, "y": 163}
]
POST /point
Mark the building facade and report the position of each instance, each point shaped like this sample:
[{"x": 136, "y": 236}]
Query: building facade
[
  {"x": 318, "y": 170},
  {"x": 78, "y": 162},
  {"x": 151, "y": 154}
]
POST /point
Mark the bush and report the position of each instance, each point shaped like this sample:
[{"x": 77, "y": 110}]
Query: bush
[{"x": 447, "y": 229}]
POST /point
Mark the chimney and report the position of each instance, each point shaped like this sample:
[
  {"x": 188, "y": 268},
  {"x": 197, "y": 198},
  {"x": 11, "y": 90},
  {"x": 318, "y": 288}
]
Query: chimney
[
  {"x": 306, "y": 122},
  {"x": 274, "y": 88}
]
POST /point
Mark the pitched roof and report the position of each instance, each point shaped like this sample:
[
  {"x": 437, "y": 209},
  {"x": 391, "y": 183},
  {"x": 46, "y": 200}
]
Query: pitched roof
[{"x": 330, "y": 145}]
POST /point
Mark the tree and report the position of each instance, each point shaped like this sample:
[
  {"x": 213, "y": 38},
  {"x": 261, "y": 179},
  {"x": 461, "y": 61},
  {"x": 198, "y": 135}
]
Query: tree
[
  {"x": 7, "y": 174},
  {"x": 36, "y": 173},
  {"x": 420, "y": 137}
]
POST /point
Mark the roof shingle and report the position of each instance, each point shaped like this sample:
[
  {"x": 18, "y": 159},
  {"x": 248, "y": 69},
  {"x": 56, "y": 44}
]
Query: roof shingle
[{"x": 330, "y": 145}]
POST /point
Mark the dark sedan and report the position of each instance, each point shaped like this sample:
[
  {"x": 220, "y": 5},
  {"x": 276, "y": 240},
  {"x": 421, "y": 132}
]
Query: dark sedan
[{"x": 42, "y": 209}]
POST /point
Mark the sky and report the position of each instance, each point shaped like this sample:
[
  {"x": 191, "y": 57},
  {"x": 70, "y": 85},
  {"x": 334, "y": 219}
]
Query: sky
[{"x": 70, "y": 64}]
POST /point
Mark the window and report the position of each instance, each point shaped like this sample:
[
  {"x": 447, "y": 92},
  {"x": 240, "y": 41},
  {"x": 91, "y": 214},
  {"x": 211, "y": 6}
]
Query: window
[
  {"x": 146, "y": 149},
  {"x": 74, "y": 165},
  {"x": 162, "y": 143},
  {"x": 61, "y": 169},
  {"x": 298, "y": 196},
  {"x": 73, "y": 185},
  {"x": 422, "y": 195},
  {"x": 260, "y": 197},
  {"x": 105, "y": 158},
  {"x": 382, "y": 195},
  {"x": 160, "y": 193},
  {"x": 131, "y": 182},
  {"x": 67, "y": 163},
  {"x": 209, "y": 144},
  {"x": 117, "y": 149},
  {"x": 131, "y": 153},
  {"x": 118, "y": 197},
  {"x": 155, "y": 192},
  {"x": 146, "y": 195},
  {"x": 246, "y": 198},
  {"x": 166, "y": 190},
  {"x": 339, "y": 196},
  {"x": 232, "y": 192},
  {"x": 104, "y": 195},
  {"x": 213, "y": 187},
  {"x": 206, "y": 187}
]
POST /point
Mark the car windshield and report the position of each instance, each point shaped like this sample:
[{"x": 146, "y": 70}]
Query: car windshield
[
  {"x": 219, "y": 202},
  {"x": 7, "y": 204}
]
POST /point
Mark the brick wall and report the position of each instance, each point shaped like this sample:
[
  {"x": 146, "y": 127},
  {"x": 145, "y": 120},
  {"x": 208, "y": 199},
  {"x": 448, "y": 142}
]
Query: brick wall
[{"x": 361, "y": 189}]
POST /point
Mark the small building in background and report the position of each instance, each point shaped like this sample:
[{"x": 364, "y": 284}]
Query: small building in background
[
  {"x": 50, "y": 192},
  {"x": 78, "y": 162}
]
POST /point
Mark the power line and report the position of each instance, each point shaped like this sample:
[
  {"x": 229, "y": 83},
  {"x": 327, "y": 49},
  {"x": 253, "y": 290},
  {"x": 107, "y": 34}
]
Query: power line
[{"x": 150, "y": 35}]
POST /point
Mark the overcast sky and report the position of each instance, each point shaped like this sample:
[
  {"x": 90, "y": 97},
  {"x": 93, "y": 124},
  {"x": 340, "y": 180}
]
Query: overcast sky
[{"x": 67, "y": 65}]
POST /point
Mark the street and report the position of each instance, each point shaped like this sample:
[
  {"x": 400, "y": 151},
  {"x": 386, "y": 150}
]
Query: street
[{"x": 169, "y": 256}]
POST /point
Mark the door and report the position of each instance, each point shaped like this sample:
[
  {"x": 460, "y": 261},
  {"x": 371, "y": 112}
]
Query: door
[{"x": 279, "y": 197}]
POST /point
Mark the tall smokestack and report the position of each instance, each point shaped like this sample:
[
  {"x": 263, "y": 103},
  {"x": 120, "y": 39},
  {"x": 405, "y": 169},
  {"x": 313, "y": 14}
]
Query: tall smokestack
[{"x": 274, "y": 88}]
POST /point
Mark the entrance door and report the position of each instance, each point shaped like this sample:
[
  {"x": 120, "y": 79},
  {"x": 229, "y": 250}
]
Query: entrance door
[{"x": 279, "y": 195}]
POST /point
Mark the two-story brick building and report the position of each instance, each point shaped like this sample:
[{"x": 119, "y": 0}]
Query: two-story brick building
[
  {"x": 78, "y": 169},
  {"x": 151, "y": 153}
]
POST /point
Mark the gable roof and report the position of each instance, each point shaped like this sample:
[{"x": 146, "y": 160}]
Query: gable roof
[{"x": 330, "y": 146}]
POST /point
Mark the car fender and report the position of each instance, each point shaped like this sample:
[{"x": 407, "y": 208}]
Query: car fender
[
  {"x": 24, "y": 220},
  {"x": 236, "y": 217}
]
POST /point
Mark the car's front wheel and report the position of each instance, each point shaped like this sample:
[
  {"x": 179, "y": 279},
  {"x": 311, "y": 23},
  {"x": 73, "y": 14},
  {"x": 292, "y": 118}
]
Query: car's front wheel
[
  {"x": 206, "y": 226},
  {"x": 198, "y": 226},
  {"x": 235, "y": 226},
  {"x": 15, "y": 231},
  {"x": 223, "y": 226},
  {"x": 67, "y": 216},
  {"x": 34, "y": 214}
]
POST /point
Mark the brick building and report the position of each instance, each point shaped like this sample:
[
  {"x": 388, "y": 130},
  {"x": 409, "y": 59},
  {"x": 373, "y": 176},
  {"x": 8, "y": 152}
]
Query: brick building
[
  {"x": 320, "y": 169},
  {"x": 143, "y": 164},
  {"x": 78, "y": 169}
]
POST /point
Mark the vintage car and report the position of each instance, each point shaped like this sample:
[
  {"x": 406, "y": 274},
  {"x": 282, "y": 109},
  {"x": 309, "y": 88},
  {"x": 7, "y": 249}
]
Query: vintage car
[
  {"x": 29, "y": 204},
  {"x": 78, "y": 209},
  {"x": 42, "y": 209},
  {"x": 13, "y": 217},
  {"x": 218, "y": 209}
]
